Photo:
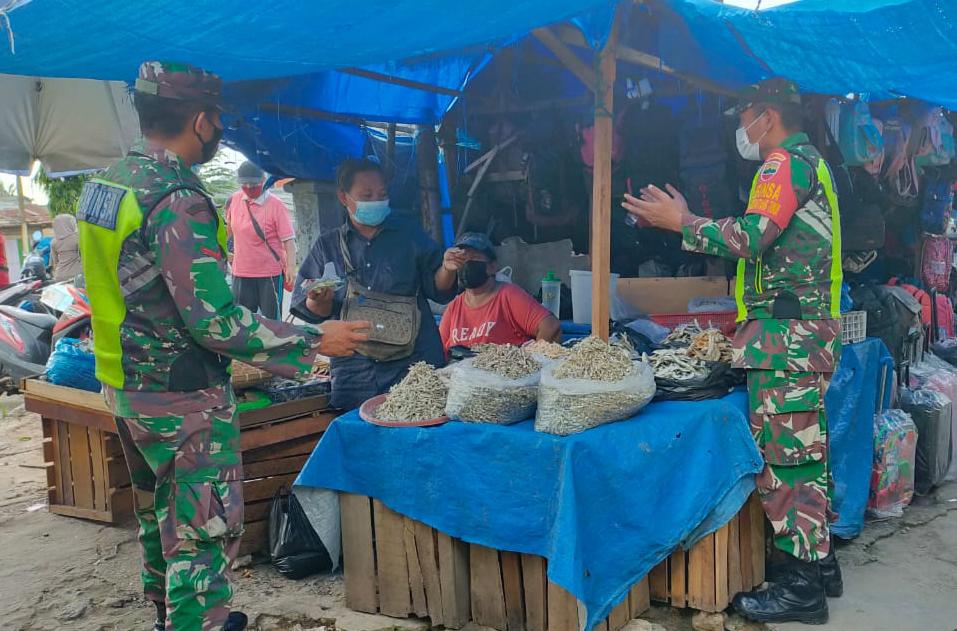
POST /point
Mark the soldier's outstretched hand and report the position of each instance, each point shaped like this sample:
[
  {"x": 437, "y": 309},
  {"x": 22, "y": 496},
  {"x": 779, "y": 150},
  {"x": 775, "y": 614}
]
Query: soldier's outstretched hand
[{"x": 341, "y": 339}]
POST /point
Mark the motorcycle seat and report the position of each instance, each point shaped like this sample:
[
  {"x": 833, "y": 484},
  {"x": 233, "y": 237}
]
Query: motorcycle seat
[{"x": 39, "y": 320}]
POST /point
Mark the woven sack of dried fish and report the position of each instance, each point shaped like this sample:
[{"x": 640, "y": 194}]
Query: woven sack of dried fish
[
  {"x": 482, "y": 396},
  {"x": 568, "y": 406}
]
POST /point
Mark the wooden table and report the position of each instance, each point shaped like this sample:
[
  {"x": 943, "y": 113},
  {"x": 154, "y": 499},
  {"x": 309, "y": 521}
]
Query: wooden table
[
  {"x": 399, "y": 567},
  {"x": 87, "y": 475}
]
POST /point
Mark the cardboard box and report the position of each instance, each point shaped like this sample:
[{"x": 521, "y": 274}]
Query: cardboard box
[{"x": 670, "y": 295}]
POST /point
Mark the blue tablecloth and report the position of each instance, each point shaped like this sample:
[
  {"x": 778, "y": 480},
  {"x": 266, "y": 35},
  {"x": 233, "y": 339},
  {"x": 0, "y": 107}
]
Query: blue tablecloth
[{"x": 604, "y": 506}]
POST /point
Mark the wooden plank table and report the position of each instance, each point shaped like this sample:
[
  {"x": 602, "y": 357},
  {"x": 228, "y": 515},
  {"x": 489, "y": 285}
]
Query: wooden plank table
[
  {"x": 87, "y": 475},
  {"x": 421, "y": 571}
]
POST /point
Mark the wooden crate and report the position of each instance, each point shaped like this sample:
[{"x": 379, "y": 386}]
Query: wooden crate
[
  {"x": 87, "y": 475},
  {"x": 719, "y": 566},
  {"x": 401, "y": 568}
]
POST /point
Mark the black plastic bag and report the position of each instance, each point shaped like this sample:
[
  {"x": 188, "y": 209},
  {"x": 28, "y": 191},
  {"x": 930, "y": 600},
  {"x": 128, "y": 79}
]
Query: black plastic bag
[
  {"x": 720, "y": 380},
  {"x": 296, "y": 551}
]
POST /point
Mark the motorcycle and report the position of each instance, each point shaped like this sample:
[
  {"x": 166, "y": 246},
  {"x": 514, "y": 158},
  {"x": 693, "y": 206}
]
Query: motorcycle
[{"x": 28, "y": 338}]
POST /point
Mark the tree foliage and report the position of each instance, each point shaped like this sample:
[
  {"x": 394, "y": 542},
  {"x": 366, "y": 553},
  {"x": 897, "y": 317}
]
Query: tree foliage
[{"x": 63, "y": 192}]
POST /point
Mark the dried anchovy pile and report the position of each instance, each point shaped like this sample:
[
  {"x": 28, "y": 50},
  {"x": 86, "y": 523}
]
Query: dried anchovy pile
[
  {"x": 505, "y": 360},
  {"x": 711, "y": 345},
  {"x": 595, "y": 360},
  {"x": 683, "y": 334},
  {"x": 550, "y": 350},
  {"x": 618, "y": 389},
  {"x": 419, "y": 396},
  {"x": 672, "y": 363}
]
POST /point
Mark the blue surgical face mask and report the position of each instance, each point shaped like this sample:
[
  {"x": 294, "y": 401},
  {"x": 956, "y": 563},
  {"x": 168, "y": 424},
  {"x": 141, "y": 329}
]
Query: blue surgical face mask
[{"x": 372, "y": 213}]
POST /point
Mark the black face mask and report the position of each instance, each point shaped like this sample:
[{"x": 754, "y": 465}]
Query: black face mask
[
  {"x": 212, "y": 146},
  {"x": 473, "y": 274}
]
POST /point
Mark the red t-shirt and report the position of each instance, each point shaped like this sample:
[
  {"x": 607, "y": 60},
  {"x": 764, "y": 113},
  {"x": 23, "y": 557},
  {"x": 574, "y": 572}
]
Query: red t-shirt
[{"x": 510, "y": 317}]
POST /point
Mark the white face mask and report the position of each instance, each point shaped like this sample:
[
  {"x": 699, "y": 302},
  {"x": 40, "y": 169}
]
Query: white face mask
[{"x": 749, "y": 150}]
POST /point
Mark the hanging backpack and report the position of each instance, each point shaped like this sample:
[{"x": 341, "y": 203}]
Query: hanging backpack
[
  {"x": 899, "y": 172},
  {"x": 703, "y": 169},
  {"x": 936, "y": 206},
  {"x": 936, "y": 260},
  {"x": 934, "y": 144},
  {"x": 858, "y": 136},
  {"x": 874, "y": 166}
]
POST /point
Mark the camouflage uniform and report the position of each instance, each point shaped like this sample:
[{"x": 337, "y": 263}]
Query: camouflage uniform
[
  {"x": 788, "y": 292},
  {"x": 168, "y": 385}
]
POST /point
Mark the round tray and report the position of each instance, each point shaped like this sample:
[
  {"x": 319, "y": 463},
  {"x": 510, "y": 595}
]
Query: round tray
[{"x": 368, "y": 410}]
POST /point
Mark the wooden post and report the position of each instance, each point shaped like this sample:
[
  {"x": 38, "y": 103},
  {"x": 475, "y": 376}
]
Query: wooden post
[
  {"x": 601, "y": 187},
  {"x": 428, "y": 163},
  {"x": 24, "y": 230}
]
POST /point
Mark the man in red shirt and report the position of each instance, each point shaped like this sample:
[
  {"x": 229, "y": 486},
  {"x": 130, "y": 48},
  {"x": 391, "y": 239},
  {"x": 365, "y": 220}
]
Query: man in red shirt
[{"x": 490, "y": 312}]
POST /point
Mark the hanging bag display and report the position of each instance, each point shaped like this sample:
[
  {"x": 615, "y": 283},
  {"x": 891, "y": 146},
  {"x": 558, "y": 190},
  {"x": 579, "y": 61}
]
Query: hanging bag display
[
  {"x": 900, "y": 172},
  {"x": 858, "y": 137}
]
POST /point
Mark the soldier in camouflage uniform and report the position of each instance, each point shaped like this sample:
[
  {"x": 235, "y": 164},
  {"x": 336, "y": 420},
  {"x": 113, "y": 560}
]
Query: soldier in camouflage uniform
[
  {"x": 164, "y": 326},
  {"x": 788, "y": 284}
]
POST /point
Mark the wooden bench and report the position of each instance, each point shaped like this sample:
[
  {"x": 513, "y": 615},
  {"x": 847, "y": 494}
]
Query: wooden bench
[
  {"x": 87, "y": 475},
  {"x": 400, "y": 567}
]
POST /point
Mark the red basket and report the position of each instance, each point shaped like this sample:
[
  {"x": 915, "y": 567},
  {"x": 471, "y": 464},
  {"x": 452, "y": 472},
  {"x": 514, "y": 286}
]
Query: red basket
[{"x": 723, "y": 320}]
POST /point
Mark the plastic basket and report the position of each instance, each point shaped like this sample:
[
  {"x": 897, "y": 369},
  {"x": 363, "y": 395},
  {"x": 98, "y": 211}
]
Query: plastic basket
[
  {"x": 853, "y": 327},
  {"x": 723, "y": 320}
]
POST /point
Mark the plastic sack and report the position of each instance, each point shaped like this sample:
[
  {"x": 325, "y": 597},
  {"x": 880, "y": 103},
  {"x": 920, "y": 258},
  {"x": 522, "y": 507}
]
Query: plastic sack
[
  {"x": 931, "y": 412},
  {"x": 895, "y": 453},
  {"x": 480, "y": 396},
  {"x": 72, "y": 364},
  {"x": 716, "y": 304},
  {"x": 296, "y": 551},
  {"x": 568, "y": 406},
  {"x": 933, "y": 373},
  {"x": 720, "y": 380}
]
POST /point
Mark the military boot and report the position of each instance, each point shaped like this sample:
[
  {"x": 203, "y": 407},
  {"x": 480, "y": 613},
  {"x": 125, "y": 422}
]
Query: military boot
[
  {"x": 777, "y": 572},
  {"x": 237, "y": 621},
  {"x": 797, "y": 597},
  {"x": 831, "y": 575},
  {"x": 160, "y": 624}
]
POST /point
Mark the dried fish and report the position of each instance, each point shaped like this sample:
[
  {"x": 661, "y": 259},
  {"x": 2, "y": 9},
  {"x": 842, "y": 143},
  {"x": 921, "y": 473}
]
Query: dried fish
[
  {"x": 596, "y": 360},
  {"x": 420, "y": 396},
  {"x": 675, "y": 364},
  {"x": 549, "y": 350},
  {"x": 711, "y": 345},
  {"x": 683, "y": 334},
  {"x": 598, "y": 383},
  {"x": 498, "y": 386},
  {"x": 511, "y": 362}
]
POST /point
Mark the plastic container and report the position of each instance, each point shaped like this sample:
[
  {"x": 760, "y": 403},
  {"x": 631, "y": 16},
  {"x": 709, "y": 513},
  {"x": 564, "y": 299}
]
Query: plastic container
[
  {"x": 552, "y": 293},
  {"x": 581, "y": 294}
]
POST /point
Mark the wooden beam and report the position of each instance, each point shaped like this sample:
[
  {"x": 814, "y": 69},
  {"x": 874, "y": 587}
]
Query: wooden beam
[
  {"x": 308, "y": 112},
  {"x": 601, "y": 186},
  {"x": 564, "y": 54},
  {"x": 405, "y": 83},
  {"x": 430, "y": 205}
]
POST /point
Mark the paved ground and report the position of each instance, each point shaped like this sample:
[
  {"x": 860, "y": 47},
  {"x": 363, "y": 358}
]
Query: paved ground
[{"x": 59, "y": 573}]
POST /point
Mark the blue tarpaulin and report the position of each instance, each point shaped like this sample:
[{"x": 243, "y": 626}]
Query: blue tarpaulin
[
  {"x": 604, "y": 506},
  {"x": 851, "y": 403}
]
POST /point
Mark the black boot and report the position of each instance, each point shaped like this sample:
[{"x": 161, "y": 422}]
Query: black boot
[
  {"x": 831, "y": 575},
  {"x": 777, "y": 572},
  {"x": 797, "y": 597},
  {"x": 160, "y": 624},
  {"x": 237, "y": 621}
]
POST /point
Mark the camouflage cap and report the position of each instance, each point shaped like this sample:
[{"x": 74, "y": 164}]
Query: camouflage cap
[
  {"x": 175, "y": 80},
  {"x": 773, "y": 90}
]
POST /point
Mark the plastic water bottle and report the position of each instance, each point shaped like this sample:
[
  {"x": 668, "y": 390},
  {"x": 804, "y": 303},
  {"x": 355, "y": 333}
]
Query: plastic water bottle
[{"x": 552, "y": 293}]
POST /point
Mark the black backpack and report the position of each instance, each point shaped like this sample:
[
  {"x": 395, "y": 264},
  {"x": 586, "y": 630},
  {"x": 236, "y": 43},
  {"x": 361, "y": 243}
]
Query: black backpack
[{"x": 890, "y": 316}]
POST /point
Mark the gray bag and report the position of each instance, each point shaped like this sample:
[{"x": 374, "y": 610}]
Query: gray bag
[{"x": 395, "y": 319}]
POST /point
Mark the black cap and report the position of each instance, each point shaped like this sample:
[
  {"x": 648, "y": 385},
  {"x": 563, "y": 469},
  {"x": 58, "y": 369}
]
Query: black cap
[
  {"x": 774, "y": 90},
  {"x": 476, "y": 241}
]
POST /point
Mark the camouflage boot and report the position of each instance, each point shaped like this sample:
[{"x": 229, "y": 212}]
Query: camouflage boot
[{"x": 799, "y": 597}]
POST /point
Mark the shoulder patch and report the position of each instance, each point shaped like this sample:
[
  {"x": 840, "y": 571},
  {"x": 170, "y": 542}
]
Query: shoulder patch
[{"x": 99, "y": 204}]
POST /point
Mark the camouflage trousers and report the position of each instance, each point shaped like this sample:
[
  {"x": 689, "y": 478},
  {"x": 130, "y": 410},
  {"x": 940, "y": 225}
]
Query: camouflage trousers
[
  {"x": 788, "y": 423},
  {"x": 187, "y": 481}
]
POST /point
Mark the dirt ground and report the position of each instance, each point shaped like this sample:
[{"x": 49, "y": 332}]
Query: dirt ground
[{"x": 61, "y": 573}]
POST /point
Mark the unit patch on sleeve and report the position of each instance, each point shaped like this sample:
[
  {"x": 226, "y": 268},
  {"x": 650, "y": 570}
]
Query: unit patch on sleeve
[{"x": 100, "y": 204}]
